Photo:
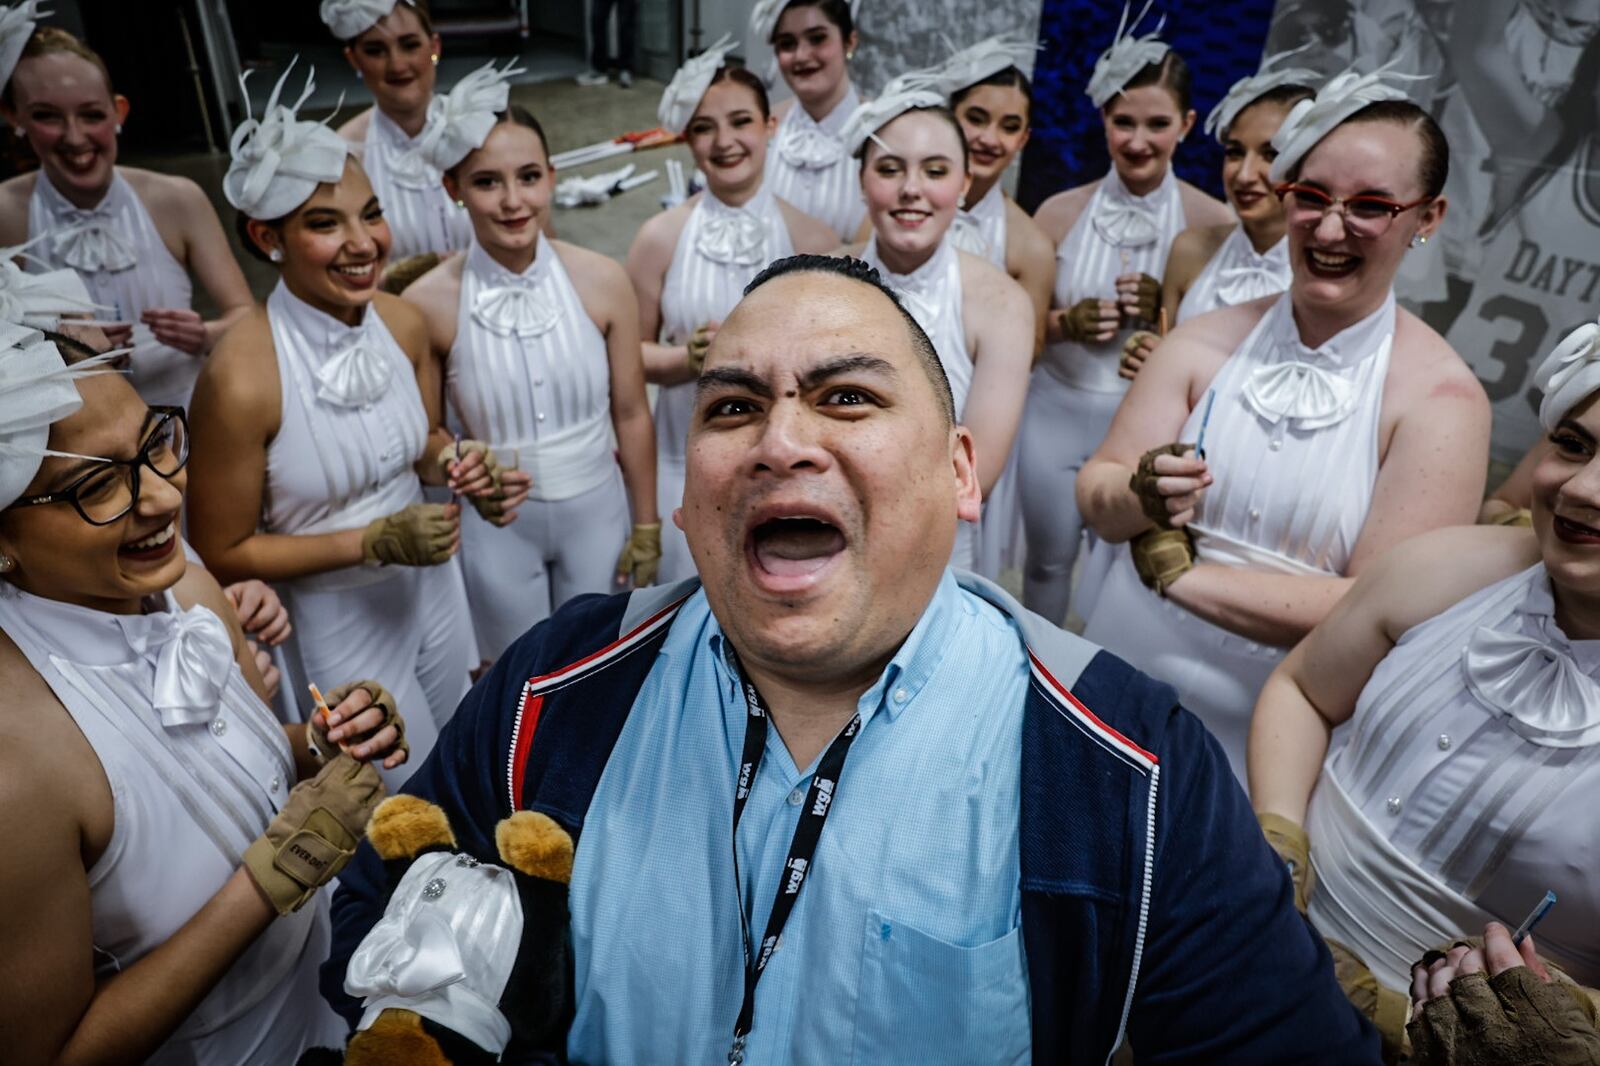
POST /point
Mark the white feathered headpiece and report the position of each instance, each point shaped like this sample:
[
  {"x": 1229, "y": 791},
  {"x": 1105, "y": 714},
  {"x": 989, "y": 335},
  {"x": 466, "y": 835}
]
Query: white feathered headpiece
[
  {"x": 1311, "y": 120},
  {"x": 914, "y": 89},
  {"x": 16, "y": 26},
  {"x": 988, "y": 57},
  {"x": 279, "y": 160},
  {"x": 352, "y": 18},
  {"x": 1247, "y": 91},
  {"x": 37, "y": 388},
  {"x": 690, "y": 83},
  {"x": 459, "y": 121},
  {"x": 1127, "y": 56},
  {"x": 38, "y": 301},
  {"x": 1568, "y": 374}
]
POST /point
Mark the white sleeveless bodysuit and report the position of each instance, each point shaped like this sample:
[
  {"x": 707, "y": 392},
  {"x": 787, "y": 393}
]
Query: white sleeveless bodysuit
[
  {"x": 1292, "y": 445},
  {"x": 128, "y": 269},
  {"x": 981, "y": 229},
  {"x": 192, "y": 785},
  {"x": 352, "y": 427},
  {"x": 1236, "y": 274},
  {"x": 719, "y": 252},
  {"x": 808, "y": 167},
  {"x": 1458, "y": 791},
  {"x": 529, "y": 375},
  {"x": 1075, "y": 389},
  {"x": 421, "y": 215}
]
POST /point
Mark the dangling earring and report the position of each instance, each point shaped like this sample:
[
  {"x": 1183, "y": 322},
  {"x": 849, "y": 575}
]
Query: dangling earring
[
  {"x": 7, "y": 564},
  {"x": 276, "y": 255}
]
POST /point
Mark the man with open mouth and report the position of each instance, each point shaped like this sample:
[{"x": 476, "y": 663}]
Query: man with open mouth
[{"x": 836, "y": 802}]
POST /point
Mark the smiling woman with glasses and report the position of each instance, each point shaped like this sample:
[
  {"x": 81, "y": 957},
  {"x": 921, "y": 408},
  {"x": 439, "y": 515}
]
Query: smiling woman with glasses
[
  {"x": 1270, "y": 450},
  {"x": 141, "y": 771}
]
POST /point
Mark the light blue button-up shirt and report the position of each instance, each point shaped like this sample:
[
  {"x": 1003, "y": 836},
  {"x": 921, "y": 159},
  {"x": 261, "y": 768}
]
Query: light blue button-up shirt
[{"x": 905, "y": 944}]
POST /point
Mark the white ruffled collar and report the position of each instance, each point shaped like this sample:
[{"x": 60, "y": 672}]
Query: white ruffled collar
[
  {"x": 88, "y": 636},
  {"x": 1348, "y": 348},
  {"x": 327, "y": 335},
  {"x": 833, "y": 122},
  {"x": 491, "y": 272},
  {"x": 1116, "y": 191},
  {"x": 390, "y": 132},
  {"x": 990, "y": 208}
]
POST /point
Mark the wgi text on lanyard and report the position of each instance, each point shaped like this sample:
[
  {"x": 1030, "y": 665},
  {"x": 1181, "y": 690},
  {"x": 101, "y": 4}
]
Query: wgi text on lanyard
[{"x": 819, "y": 801}]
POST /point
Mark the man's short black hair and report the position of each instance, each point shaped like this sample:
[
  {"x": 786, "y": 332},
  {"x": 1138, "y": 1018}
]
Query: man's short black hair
[
  {"x": 858, "y": 270},
  {"x": 71, "y": 348}
]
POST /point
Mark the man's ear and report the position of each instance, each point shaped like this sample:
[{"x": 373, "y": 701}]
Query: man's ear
[{"x": 964, "y": 460}]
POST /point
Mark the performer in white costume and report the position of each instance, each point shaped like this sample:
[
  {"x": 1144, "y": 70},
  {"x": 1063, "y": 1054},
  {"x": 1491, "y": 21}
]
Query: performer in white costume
[
  {"x": 914, "y": 172},
  {"x": 807, "y": 164},
  {"x": 1336, "y": 425},
  {"x": 1111, "y": 239},
  {"x": 538, "y": 346},
  {"x": 134, "y": 235},
  {"x": 311, "y": 431},
  {"x": 689, "y": 265},
  {"x": 1467, "y": 664},
  {"x": 147, "y": 783},
  {"x": 1233, "y": 263},
  {"x": 392, "y": 46}
]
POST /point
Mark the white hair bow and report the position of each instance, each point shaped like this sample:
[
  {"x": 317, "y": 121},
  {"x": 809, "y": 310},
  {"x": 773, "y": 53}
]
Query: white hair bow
[
  {"x": 279, "y": 160},
  {"x": 1568, "y": 374},
  {"x": 37, "y": 388},
  {"x": 914, "y": 89},
  {"x": 1311, "y": 120},
  {"x": 690, "y": 83},
  {"x": 352, "y": 18},
  {"x": 1127, "y": 56},
  {"x": 1247, "y": 91},
  {"x": 460, "y": 120},
  {"x": 16, "y": 26}
]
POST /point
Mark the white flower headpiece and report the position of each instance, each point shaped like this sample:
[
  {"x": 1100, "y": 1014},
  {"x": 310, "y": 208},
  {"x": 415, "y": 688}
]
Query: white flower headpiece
[
  {"x": 1311, "y": 120},
  {"x": 37, "y": 388},
  {"x": 1127, "y": 56},
  {"x": 690, "y": 83},
  {"x": 1247, "y": 91},
  {"x": 911, "y": 90},
  {"x": 279, "y": 160},
  {"x": 16, "y": 26},
  {"x": 459, "y": 121},
  {"x": 1568, "y": 374},
  {"x": 352, "y": 18},
  {"x": 988, "y": 57},
  {"x": 38, "y": 301}
]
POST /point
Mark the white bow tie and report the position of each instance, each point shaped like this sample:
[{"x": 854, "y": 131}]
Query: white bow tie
[
  {"x": 1126, "y": 225},
  {"x": 809, "y": 148},
  {"x": 411, "y": 171},
  {"x": 92, "y": 245},
  {"x": 1241, "y": 284},
  {"x": 518, "y": 308},
  {"x": 193, "y": 658},
  {"x": 966, "y": 233},
  {"x": 1535, "y": 687},
  {"x": 1306, "y": 394},
  {"x": 735, "y": 237},
  {"x": 356, "y": 376}
]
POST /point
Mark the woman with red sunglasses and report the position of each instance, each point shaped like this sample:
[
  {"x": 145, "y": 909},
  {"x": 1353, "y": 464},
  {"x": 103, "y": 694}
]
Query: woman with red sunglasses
[{"x": 1317, "y": 427}]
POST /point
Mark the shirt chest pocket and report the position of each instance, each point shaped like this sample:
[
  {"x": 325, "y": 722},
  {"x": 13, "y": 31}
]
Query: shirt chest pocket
[{"x": 925, "y": 1002}]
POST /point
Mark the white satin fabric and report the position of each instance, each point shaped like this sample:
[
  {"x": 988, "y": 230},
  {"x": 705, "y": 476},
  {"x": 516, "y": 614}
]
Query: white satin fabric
[
  {"x": 336, "y": 466},
  {"x": 1235, "y": 274},
  {"x": 808, "y": 167},
  {"x": 1294, "y": 473},
  {"x": 538, "y": 391},
  {"x": 1568, "y": 374},
  {"x": 1470, "y": 762},
  {"x": 188, "y": 797},
  {"x": 981, "y": 229},
  {"x": 444, "y": 948},
  {"x": 421, "y": 215},
  {"x": 117, "y": 250},
  {"x": 698, "y": 289}
]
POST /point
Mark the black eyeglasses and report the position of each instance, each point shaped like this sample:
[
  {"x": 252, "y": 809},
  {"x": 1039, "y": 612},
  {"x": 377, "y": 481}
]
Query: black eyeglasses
[{"x": 109, "y": 490}]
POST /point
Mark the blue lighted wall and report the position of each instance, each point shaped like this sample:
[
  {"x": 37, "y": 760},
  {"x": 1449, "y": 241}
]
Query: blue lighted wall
[{"x": 1221, "y": 40}]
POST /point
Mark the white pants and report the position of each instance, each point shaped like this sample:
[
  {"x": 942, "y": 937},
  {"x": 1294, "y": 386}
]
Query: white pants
[
  {"x": 517, "y": 575},
  {"x": 1061, "y": 428},
  {"x": 410, "y": 632},
  {"x": 1218, "y": 674},
  {"x": 676, "y": 562},
  {"x": 1000, "y": 540}
]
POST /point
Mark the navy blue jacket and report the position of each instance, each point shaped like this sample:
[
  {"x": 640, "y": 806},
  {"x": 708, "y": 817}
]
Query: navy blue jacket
[{"x": 1153, "y": 910}]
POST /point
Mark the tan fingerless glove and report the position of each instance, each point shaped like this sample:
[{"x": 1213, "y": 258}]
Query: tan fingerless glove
[
  {"x": 420, "y": 535},
  {"x": 1386, "y": 1010},
  {"x": 381, "y": 697},
  {"x": 1510, "y": 1019},
  {"x": 641, "y": 556},
  {"x": 1081, "y": 323},
  {"x": 699, "y": 344},
  {"x": 490, "y": 505},
  {"x": 1294, "y": 848},
  {"x": 1161, "y": 556},
  {"x": 1520, "y": 516},
  {"x": 1149, "y": 297},
  {"x": 315, "y": 834},
  {"x": 1142, "y": 482}
]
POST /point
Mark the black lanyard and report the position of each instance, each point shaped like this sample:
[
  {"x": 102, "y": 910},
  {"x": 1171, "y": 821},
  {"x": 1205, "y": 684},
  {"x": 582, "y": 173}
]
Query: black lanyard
[{"x": 819, "y": 801}]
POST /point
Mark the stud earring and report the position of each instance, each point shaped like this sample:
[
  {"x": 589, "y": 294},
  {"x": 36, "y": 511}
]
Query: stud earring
[
  {"x": 19, "y": 132},
  {"x": 435, "y": 58},
  {"x": 849, "y": 56},
  {"x": 119, "y": 129},
  {"x": 1418, "y": 241},
  {"x": 7, "y": 564},
  {"x": 461, "y": 204},
  {"x": 276, "y": 255}
]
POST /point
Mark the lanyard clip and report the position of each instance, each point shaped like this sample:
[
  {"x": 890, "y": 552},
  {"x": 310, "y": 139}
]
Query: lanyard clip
[{"x": 736, "y": 1052}]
